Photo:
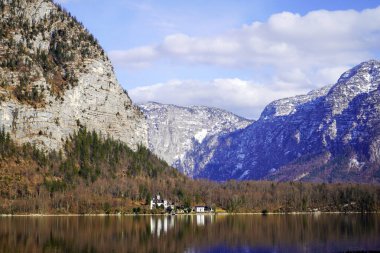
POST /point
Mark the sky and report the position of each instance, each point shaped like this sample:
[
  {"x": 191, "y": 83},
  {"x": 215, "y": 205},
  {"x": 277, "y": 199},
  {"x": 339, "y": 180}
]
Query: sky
[{"x": 236, "y": 55}]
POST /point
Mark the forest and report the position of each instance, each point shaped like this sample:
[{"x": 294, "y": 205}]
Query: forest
[{"x": 95, "y": 174}]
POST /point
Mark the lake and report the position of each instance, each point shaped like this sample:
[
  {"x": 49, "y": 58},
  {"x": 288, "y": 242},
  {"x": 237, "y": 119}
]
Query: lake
[{"x": 192, "y": 233}]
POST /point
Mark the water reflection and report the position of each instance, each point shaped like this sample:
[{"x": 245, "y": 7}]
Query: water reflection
[
  {"x": 205, "y": 219},
  {"x": 200, "y": 220},
  {"x": 161, "y": 224},
  {"x": 191, "y": 233}
]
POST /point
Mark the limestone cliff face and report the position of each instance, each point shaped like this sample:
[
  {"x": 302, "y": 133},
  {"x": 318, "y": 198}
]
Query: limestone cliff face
[{"x": 54, "y": 77}]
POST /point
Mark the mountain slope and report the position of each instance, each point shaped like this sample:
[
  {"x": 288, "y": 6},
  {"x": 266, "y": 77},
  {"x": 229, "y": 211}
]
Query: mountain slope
[
  {"x": 332, "y": 134},
  {"x": 175, "y": 132},
  {"x": 54, "y": 77}
]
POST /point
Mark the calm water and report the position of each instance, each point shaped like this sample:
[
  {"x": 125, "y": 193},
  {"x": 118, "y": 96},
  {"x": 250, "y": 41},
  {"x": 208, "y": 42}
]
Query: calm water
[{"x": 197, "y": 233}]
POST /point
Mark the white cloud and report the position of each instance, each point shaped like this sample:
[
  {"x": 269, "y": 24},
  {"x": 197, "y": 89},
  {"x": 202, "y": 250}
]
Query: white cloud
[
  {"x": 303, "y": 52},
  {"x": 240, "y": 96},
  {"x": 320, "y": 38}
]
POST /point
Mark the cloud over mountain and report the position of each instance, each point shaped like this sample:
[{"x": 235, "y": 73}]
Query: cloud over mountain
[
  {"x": 317, "y": 38},
  {"x": 287, "y": 55}
]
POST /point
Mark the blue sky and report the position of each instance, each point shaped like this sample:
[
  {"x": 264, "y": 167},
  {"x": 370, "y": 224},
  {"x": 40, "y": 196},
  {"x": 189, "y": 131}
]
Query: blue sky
[{"x": 237, "y": 55}]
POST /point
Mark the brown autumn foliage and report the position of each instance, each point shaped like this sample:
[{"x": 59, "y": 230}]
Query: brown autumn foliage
[{"x": 94, "y": 174}]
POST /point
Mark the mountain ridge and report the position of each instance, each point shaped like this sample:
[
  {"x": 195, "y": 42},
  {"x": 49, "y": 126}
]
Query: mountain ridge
[
  {"x": 55, "y": 77},
  {"x": 343, "y": 121},
  {"x": 176, "y": 130},
  {"x": 297, "y": 138}
]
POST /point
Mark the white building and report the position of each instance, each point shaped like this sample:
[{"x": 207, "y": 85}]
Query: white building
[
  {"x": 158, "y": 202},
  {"x": 203, "y": 209}
]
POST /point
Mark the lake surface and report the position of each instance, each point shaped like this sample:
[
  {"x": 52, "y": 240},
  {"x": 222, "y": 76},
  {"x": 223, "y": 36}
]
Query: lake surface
[{"x": 192, "y": 234}]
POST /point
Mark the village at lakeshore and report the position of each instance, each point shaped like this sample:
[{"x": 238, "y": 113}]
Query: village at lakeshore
[
  {"x": 164, "y": 205},
  {"x": 159, "y": 206}
]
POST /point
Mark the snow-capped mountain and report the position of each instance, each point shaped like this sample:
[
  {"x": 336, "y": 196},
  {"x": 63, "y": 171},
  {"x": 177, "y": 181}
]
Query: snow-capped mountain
[
  {"x": 331, "y": 134},
  {"x": 174, "y": 131}
]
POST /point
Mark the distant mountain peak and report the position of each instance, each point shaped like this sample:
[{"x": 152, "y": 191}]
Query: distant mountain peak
[
  {"x": 370, "y": 67},
  {"x": 331, "y": 135},
  {"x": 175, "y": 131},
  {"x": 287, "y": 106},
  {"x": 361, "y": 79}
]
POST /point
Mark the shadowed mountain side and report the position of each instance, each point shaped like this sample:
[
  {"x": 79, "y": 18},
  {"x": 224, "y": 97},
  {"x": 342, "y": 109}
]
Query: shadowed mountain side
[{"x": 336, "y": 130}]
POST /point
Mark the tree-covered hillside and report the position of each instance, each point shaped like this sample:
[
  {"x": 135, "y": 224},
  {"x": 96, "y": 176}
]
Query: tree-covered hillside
[{"x": 96, "y": 174}]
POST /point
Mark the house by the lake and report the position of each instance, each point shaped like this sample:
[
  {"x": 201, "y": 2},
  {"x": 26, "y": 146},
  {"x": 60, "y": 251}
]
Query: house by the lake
[
  {"x": 203, "y": 209},
  {"x": 158, "y": 202}
]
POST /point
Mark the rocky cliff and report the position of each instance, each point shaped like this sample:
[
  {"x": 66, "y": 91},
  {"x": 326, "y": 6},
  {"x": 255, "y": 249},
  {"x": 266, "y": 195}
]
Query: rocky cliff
[
  {"x": 175, "y": 132},
  {"x": 332, "y": 134},
  {"x": 54, "y": 77}
]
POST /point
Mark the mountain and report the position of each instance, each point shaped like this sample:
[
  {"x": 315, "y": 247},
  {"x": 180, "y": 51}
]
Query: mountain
[
  {"x": 330, "y": 135},
  {"x": 174, "y": 132},
  {"x": 70, "y": 137},
  {"x": 55, "y": 77}
]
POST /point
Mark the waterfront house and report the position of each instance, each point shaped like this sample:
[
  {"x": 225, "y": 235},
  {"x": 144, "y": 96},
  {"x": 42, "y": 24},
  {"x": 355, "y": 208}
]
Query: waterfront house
[
  {"x": 203, "y": 209},
  {"x": 158, "y": 202}
]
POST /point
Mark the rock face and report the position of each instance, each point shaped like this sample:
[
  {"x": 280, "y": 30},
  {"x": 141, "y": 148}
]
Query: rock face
[
  {"x": 54, "y": 77},
  {"x": 330, "y": 135},
  {"x": 175, "y": 132}
]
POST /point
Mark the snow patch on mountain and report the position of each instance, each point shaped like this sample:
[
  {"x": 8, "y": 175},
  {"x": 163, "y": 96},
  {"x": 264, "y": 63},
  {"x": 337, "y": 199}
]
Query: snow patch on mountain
[
  {"x": 201, "y": 135},
  {"x": 174, "y": 131}
]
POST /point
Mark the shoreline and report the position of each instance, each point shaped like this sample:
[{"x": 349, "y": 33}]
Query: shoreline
[{"x": 180, "y": 214}]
